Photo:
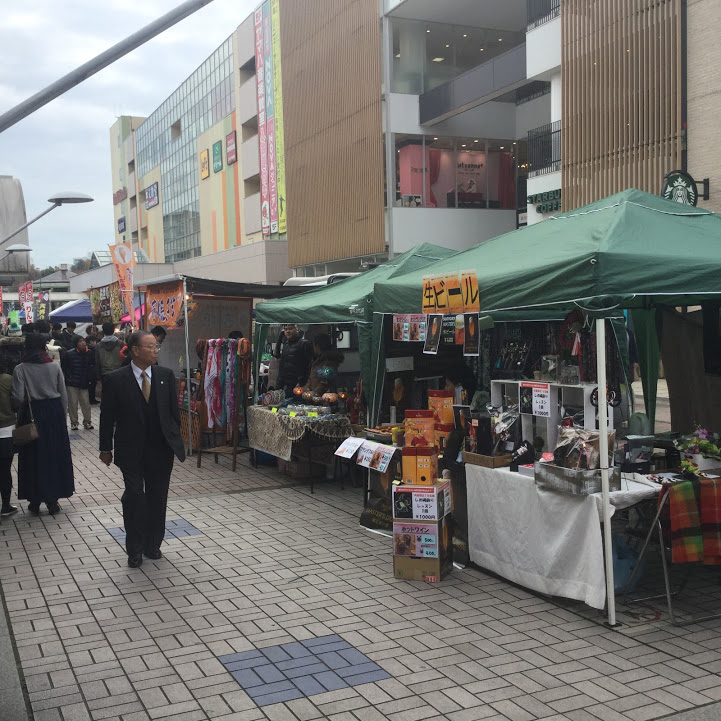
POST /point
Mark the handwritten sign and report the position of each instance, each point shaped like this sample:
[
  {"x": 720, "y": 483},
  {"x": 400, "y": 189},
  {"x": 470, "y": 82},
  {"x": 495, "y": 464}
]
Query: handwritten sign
[
  {"x": 536, "y": 399},
  {"x": 349, "y": 447},
  {"x": 375, "y": 456},
  {"x": 165, "y": 302},
  {"x": 451, "y": 293},
  {"x": 419, "y": 540}
]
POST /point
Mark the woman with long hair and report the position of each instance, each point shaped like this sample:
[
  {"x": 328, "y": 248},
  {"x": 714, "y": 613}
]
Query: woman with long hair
[
  {"x": 45, "y": 466},
  {"x": 7, "y": 450}
]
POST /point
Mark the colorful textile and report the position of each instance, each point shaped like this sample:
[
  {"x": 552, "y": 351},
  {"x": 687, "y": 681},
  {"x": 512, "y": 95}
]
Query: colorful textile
[
  {"x": 695, "y": 521},
  {"x": 38, "y": 357},
  {"x": 711, "y": 520}
]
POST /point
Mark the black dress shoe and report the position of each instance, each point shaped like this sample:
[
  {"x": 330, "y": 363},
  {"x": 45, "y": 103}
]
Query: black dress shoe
[
  {"x": 135, "y": 561},
  {"x": 34, "y": 508},
  {"x": 53, "y": 508},
  {"x": 154, "y": 554}
]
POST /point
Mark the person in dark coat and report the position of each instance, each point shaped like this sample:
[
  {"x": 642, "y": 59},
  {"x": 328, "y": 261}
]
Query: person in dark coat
[
  {"x": 45, "y": 466},
  {"x": 296, "y": 355},
  {"x": 76, "y": 365},
  {"x": 91, "y": 341},
  {"x": 325, "y": 356},
  {"x": 7, "y": 450},
  {"x": 139, "y": 420},
  {"x": 69, "y": 336}
]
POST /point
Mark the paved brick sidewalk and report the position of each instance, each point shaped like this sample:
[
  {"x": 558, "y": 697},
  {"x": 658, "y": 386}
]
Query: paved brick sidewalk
[{"x": 276, "y": 575}]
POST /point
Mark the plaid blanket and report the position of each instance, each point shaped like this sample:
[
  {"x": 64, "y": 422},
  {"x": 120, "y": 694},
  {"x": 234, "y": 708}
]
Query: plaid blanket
[{"x": 695, "y": 534}]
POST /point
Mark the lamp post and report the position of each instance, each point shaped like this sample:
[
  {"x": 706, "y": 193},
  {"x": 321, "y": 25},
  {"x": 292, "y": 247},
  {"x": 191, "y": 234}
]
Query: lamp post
[{"x": 65, "y": 198}]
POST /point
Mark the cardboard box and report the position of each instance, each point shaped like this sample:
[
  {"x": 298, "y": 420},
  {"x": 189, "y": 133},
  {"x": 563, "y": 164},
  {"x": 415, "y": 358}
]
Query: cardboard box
[
  {"x": 422, "y": 551},
  {"x": 410, "y": 467},
  {"x": 422, "y": 503},
  {"x": 476, "y": 459},
  {"x": 441, "y": 403},
  {"x": 426, "y": 465},
  {"x": 419, "y": 428}
]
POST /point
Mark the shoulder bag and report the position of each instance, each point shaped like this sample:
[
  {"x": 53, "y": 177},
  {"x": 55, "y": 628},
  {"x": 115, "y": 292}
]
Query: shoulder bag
[{"x": 22, "y": 435}]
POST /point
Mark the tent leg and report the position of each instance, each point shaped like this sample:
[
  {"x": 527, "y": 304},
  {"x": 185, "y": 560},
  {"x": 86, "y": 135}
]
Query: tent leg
[
  {"x": 187, "y": 363},
  {"x": 603, "y": 452}
]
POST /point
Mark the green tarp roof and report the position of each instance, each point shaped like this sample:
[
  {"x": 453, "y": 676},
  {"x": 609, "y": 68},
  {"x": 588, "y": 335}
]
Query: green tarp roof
[
  {"x": 629, "y": 250},
  {"x": 348, "y": 300}
]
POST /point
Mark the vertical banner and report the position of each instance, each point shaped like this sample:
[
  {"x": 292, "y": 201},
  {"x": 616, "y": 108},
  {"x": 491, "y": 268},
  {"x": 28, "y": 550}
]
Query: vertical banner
[
  {"x": 29, "y": 292},
  {"x": 21, "y": 294},
  {"x": 28, "y": 308},
  {"x": 262, "y": 129},
  {"x": 42, "y": 306},
  {"x": 2, "y": 307},
  {"x": 278, "y": 118},
  {"x": 270, "y": 117},
  {"x": 124, "y": 263}
]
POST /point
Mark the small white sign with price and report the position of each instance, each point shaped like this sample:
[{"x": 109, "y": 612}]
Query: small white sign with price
[{"x": 541, "y": 399}]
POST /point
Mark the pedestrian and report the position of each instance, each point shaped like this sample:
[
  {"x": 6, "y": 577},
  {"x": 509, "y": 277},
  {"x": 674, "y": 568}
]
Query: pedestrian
[
  {"x": 7, "y": 450},
  {"x": 42, "y": 326},
  {"x": 91, "y": 342},
  {"x": 92, "y": 332},
  {"x": 107, "y": 352},
  {"x": 76, "y": 368},
  {"x": 296, "y": 354},
  {"x": 45, "y": 466},
  {"x": 139, "y": 418},
  {"x": 68, "y": 336},
  {"x": 159, "y": 333},
  {"x": 56, "y": 334}
]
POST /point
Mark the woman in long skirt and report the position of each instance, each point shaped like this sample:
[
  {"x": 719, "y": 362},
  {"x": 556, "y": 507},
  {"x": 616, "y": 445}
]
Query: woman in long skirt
[{"x": 45, "y": 466}]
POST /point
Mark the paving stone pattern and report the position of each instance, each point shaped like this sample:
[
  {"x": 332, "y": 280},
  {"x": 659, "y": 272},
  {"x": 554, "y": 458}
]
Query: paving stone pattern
[
  {"x": 179, "y": 528},
  {"x": 275, "y": 565},
  {"x": 306, "y": 668}
]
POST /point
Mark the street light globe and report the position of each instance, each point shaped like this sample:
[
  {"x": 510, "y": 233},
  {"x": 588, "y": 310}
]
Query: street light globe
[
  {"x": 18, "y": 248},
  {"x": 69, "y": 197}
]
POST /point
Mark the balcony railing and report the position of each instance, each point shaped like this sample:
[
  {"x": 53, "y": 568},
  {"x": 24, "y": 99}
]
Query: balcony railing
[
  {"x": 541, "y": 11},
  {"x": 544, "y": 149}
]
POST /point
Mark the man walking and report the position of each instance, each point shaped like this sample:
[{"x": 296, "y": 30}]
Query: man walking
[
  {"x": 76, "y": 369},
  {"x": 107, "y": 352},
  {"x": 139, "y": 411}
]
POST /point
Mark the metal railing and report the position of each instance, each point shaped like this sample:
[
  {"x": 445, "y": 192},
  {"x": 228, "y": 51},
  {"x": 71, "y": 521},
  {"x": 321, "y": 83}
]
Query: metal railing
[
  {"x": 544, "y": 149},
  {"x": 539, "y": 12}
]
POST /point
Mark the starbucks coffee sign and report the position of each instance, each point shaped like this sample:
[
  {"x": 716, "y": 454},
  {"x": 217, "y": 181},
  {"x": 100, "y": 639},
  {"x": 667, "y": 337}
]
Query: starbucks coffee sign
[
  {"x": 680, "y": 187},
  {"x": 548, "y": 202}
]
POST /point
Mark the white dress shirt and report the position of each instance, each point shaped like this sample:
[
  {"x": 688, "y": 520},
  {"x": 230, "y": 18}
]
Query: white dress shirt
[{"x": 137, "y": 372}]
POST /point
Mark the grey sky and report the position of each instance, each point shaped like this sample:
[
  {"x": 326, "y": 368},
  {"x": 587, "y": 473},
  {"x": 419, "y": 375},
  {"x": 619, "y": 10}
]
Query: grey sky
[{"x": 65, "y": 145}]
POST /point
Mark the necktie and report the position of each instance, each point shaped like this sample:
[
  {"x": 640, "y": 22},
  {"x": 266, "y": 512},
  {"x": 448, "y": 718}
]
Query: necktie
[{"x": 145, "y": 386}]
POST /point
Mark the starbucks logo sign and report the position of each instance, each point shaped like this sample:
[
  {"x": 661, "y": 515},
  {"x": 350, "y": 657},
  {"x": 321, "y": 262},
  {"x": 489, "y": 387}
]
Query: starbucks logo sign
[{"x": 680, "y": 187}]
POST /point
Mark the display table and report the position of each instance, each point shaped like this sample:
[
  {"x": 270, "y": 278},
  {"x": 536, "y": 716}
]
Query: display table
[
  {"x": 546, "y": 541},
  {"x": 275, "y": 433}
]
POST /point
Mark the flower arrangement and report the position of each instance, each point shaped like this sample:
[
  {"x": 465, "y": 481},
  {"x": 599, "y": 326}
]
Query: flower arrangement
[
  {"x": 701, "y": 441},
  {"x": 690, "y": 470}
]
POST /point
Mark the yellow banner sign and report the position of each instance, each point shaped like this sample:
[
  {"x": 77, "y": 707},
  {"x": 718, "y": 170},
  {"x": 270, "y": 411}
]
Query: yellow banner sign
[
  {"x": 450, "y": 294},
  {"x": 164, "y": 303},
  {"x": 204, "y": 165},
  {"x": 469, "y": 288},
  {"x": 124, "y": 263}
]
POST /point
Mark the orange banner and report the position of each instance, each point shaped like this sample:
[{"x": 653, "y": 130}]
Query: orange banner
[
  {"x": 469, "y": 287},
  {"x": 164, "y": 303},
  {"x": 124, "y": 263}
]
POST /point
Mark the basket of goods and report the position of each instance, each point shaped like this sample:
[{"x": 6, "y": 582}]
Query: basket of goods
[{"x": 382, "y": 434}]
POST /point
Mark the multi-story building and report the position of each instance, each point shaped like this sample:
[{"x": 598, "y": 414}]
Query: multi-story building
[{"x": 323, "y": 136}]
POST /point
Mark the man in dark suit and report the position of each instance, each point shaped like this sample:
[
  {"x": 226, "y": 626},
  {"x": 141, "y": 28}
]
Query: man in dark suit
[{"x": 139, "y": 411}]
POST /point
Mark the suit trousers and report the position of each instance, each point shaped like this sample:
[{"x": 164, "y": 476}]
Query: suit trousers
[
  {"x": 145, "y": 500},
  {"x": 75, "y": 396}
]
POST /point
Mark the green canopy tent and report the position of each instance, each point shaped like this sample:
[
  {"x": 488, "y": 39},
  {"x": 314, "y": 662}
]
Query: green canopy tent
[
  {"x": 348, "y": 301},
  {"x": 631, "y": 251}
]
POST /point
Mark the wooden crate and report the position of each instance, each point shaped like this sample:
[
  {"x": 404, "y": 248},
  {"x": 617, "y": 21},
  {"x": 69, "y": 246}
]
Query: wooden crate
[
  {"x": 476, "y": 459},
  {"x": 195, "y": 425}
]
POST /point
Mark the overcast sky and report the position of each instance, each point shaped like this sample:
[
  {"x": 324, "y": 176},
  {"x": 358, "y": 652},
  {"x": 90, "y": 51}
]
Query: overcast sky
[{"x": 65, "y": 145}]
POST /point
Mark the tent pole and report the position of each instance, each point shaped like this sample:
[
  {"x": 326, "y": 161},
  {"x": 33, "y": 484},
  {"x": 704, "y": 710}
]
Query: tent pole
[
  {"x": 187, "y": 364},
  {"x": 603, "y": 452}
]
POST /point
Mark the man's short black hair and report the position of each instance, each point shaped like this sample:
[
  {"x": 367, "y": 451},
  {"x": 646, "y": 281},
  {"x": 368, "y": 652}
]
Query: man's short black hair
[
  {"x": 57, "y": 326},
  {"x": 134, "y": 339},
  {"x": 108, "y": 328},
  {"x": 42, "y": 326},
  {"x": 159, "y": 331},
  {"x": 70, "y": 325}
]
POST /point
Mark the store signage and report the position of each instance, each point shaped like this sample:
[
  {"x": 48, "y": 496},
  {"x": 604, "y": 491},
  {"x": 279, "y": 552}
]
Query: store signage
[
  {"x": 548, "y": 202},
  {"x": 218, "y": 156},
  {"x": 121, "y": 225},
  {"x": 151, "y": 196},
  {"x": 536, "y": 399},
  {"x": 278, "y": 121},
  {"x": 29, "y": 291},
  {"x": 120, "y": 195},
  {"x": 451, "y": 293},
  {"x": 204, "y": 165},
  {"x": 105, "y": 304},
  {"x": 262, "y": 125},
  {"x": 21, "y": 293},
  {"x": 165, "y": 302},
  {"x": 122, "y": 256},
  {"x": 680, "y": 187},
  {"x": 349, "y": 446},
  {"x": 231, "y": 154}
]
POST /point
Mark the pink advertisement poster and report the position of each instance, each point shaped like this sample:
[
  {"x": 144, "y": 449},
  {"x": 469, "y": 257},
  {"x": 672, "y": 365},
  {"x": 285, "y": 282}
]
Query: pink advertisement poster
[
  {"x": 262, "y": 137},
  {"x": 270, "y": 118}
]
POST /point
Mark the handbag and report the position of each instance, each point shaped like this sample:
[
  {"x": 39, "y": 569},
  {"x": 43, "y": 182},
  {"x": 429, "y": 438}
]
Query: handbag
[{"x": 22, "y": 435}]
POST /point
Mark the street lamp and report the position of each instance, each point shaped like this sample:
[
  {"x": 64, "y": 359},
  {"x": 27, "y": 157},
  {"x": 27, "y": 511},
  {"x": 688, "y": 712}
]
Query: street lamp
[{"x": 56, "y": 200}]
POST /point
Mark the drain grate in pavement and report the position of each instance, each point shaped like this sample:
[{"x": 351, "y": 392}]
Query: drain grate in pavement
[
  {"x": 173, "y": 529},
  {"x": 303, "y": 668}
]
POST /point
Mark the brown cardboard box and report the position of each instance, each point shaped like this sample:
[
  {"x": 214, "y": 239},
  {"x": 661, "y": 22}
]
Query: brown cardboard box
[
  {"x": 419, "y": 429},
  {"x": 426, "y": 465},
  {"x": 410, "y": 465},
  {"x": 476, "y": 459},
  {"x": 423, "y": 551}
]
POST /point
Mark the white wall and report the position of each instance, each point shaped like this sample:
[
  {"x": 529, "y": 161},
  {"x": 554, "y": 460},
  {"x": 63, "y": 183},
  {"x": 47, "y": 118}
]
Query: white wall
[
  {"x": 104, "y": 275},
  {"x": 543, "y": 49},
  {"x": 455, "y": 228},
  {"x": 532, "y": 115},
  {"x": 489, "y": 120},
  {"x": 551, "y": 181}
]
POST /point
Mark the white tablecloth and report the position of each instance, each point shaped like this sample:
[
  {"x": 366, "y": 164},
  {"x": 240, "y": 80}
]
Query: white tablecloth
[{"x": 546, "y": 541}]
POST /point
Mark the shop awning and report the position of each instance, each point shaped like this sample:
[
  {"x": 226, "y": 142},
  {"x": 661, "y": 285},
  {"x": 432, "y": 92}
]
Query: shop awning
[
  {"x": 228, "y": 289},
  {"x": 77, "y": 311}
]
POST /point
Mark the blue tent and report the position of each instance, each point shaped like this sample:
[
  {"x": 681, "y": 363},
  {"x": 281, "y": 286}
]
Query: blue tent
[{"x": 75, "y": 310}]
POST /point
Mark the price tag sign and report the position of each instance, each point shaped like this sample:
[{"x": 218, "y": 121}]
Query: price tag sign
[
  {"x": 273, "y": 410},
  {"x": 536, "y": 399},
  {"x": 312, "y": 414},
  {"x": 349, "y": 447},
  {"x": 365, "y": 453}
]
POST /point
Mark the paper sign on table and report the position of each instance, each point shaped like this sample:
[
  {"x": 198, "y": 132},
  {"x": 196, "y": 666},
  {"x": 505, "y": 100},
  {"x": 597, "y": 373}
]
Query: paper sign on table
[
  {"x": 415, "y": 539},
  {"x": 349, "y": 447},
  {"x": 375, "y": 456},
  {"x": 536, "y": 399}
]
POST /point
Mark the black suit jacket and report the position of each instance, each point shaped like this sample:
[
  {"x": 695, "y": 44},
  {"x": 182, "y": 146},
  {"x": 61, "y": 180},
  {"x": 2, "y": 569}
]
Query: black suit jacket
[{"x": 122, "y": 419}]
